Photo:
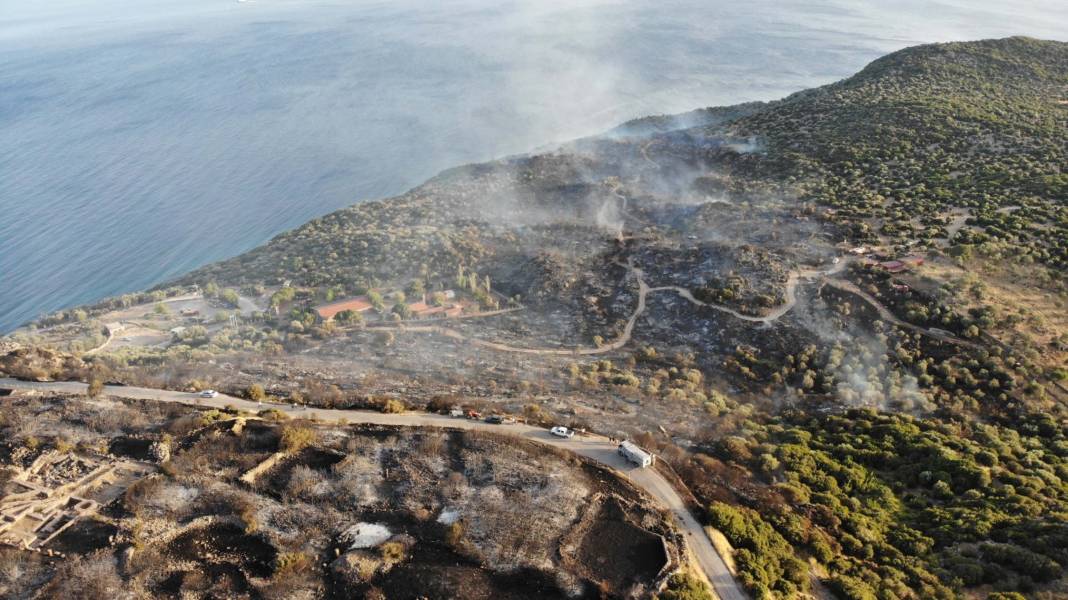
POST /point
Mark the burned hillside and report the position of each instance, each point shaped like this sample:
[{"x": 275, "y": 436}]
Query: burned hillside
[{"x": 237, "y": 506}]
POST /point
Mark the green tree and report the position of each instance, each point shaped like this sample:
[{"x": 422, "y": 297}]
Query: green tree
[
  {"x": 416, "y": 288},
  {"x": 376, "y": 300},
  {"x": 231, "y": 298},
  {"x": 349, "y": 317},
  {"x": 402, "y": 310}
]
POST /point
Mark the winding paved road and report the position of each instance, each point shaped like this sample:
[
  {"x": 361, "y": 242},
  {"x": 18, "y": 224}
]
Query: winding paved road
[{"x": 595, "y": 447}]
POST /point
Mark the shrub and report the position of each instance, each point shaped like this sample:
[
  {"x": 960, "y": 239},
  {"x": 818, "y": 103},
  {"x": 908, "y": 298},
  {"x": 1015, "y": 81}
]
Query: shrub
[
  {"x": 96, "y": 387},
  {"x": 295, "y": 438},
  {"x": 141, "y": 492},
  {"x": 392, "y": 552},
  {"x": 851, "y": 588},
  {"x": 683, "y": 586},
  {"x": 289, "y": 564},
  {"x": 440, "y": 404},
  {"x": 93, "y": 577},
  {"x": 273, "y": 414},
  {"x": 303, "y": 480},
  {"x": 454, "y": 535},
  {"x": 257, "y": 393}
]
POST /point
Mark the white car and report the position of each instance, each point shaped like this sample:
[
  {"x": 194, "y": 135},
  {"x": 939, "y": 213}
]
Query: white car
[
  {"x": 563, "y": 432},
  {"x": 209, "y": 394}
]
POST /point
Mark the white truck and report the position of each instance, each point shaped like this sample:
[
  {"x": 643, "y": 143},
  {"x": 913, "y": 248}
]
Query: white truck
[
  {"x": 561, "y": 431},
  {"x": 636, "y": 455}
]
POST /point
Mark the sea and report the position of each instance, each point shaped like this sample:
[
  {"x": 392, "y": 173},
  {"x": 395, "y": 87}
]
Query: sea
[{"x": 140, "y": 140}]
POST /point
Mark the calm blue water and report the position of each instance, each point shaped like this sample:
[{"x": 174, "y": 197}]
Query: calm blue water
[{"x": 139, "y": 140}]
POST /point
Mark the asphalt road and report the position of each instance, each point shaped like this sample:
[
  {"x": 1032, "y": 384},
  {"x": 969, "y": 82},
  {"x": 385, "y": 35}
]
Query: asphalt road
[{"x": 595, "y": 447}]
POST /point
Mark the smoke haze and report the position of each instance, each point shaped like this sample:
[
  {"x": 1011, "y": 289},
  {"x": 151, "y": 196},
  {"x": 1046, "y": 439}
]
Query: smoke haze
[{"x": 140, "y": 140}]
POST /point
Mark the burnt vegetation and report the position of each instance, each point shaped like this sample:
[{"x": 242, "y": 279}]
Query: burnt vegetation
[
  {"x": 245, "y": 507},
  {"x": 854, "y": 425}
]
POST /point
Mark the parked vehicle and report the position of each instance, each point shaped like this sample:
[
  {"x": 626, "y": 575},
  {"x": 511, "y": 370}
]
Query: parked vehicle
[
  {"x": 635, "y": 455},
  {"x": 472, "y": 414},
  {"x": 456, "y": 413},
  {"x": 564, "y": 432},
  {"x": 495, "y": 419},
  {"x": 209, "y": 394}
]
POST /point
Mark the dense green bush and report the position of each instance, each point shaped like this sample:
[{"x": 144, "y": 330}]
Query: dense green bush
[
  {"x": 893, "y": 502},
  {"x": 683, "y": 586},
  {"x": 766, "y": 561}
]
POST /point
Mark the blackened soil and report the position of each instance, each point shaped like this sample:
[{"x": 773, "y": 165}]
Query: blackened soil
[
  {"x": 226, "y": 551},
  {"x": 135, "y": 448},
  {"x": 83, "y": 536},
  {"x": 621, "y": 553},
  {"x": 472, "y": 583},
  {"x": 435, "y": 571},
  {"x": 318, "y": 459},
  {"x": 212, "y": 582}
]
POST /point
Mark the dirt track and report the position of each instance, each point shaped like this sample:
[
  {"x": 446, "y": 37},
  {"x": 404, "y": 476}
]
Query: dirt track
[
  {"x": 886, "y": 315},
  {"x": 595, "y": 447},
  {"x": 628, "y": 329},
  {"x": 643, "y": 291}
]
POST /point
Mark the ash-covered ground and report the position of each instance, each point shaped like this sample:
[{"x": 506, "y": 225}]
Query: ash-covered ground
[{"x": 235, "y": 506}]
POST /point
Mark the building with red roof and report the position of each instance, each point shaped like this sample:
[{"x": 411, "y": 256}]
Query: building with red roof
[{"x": 360, "y": 304}]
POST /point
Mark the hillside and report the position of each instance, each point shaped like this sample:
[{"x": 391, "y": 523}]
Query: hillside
[
  {"x": 841, "y": 317},
  {"x": 976, "y": 126},
  {"x": 973, "y": 126}
]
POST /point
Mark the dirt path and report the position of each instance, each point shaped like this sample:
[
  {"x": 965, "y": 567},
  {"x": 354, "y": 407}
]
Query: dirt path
[
  {"x": 595, "y": 447},
  {"x": 246, "y": 306},
  {"x": 111, "y": 336},
  {"x": 791, "y": 300},
  {"x": 645, "y": 154},
  {"x": 956, "y": 225},
  {"x": 791, "y": 294},
  {"x": 628, "y": 330},
  {"x": 886, "y": 315},
  {"x": 619, "y": 342}
]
